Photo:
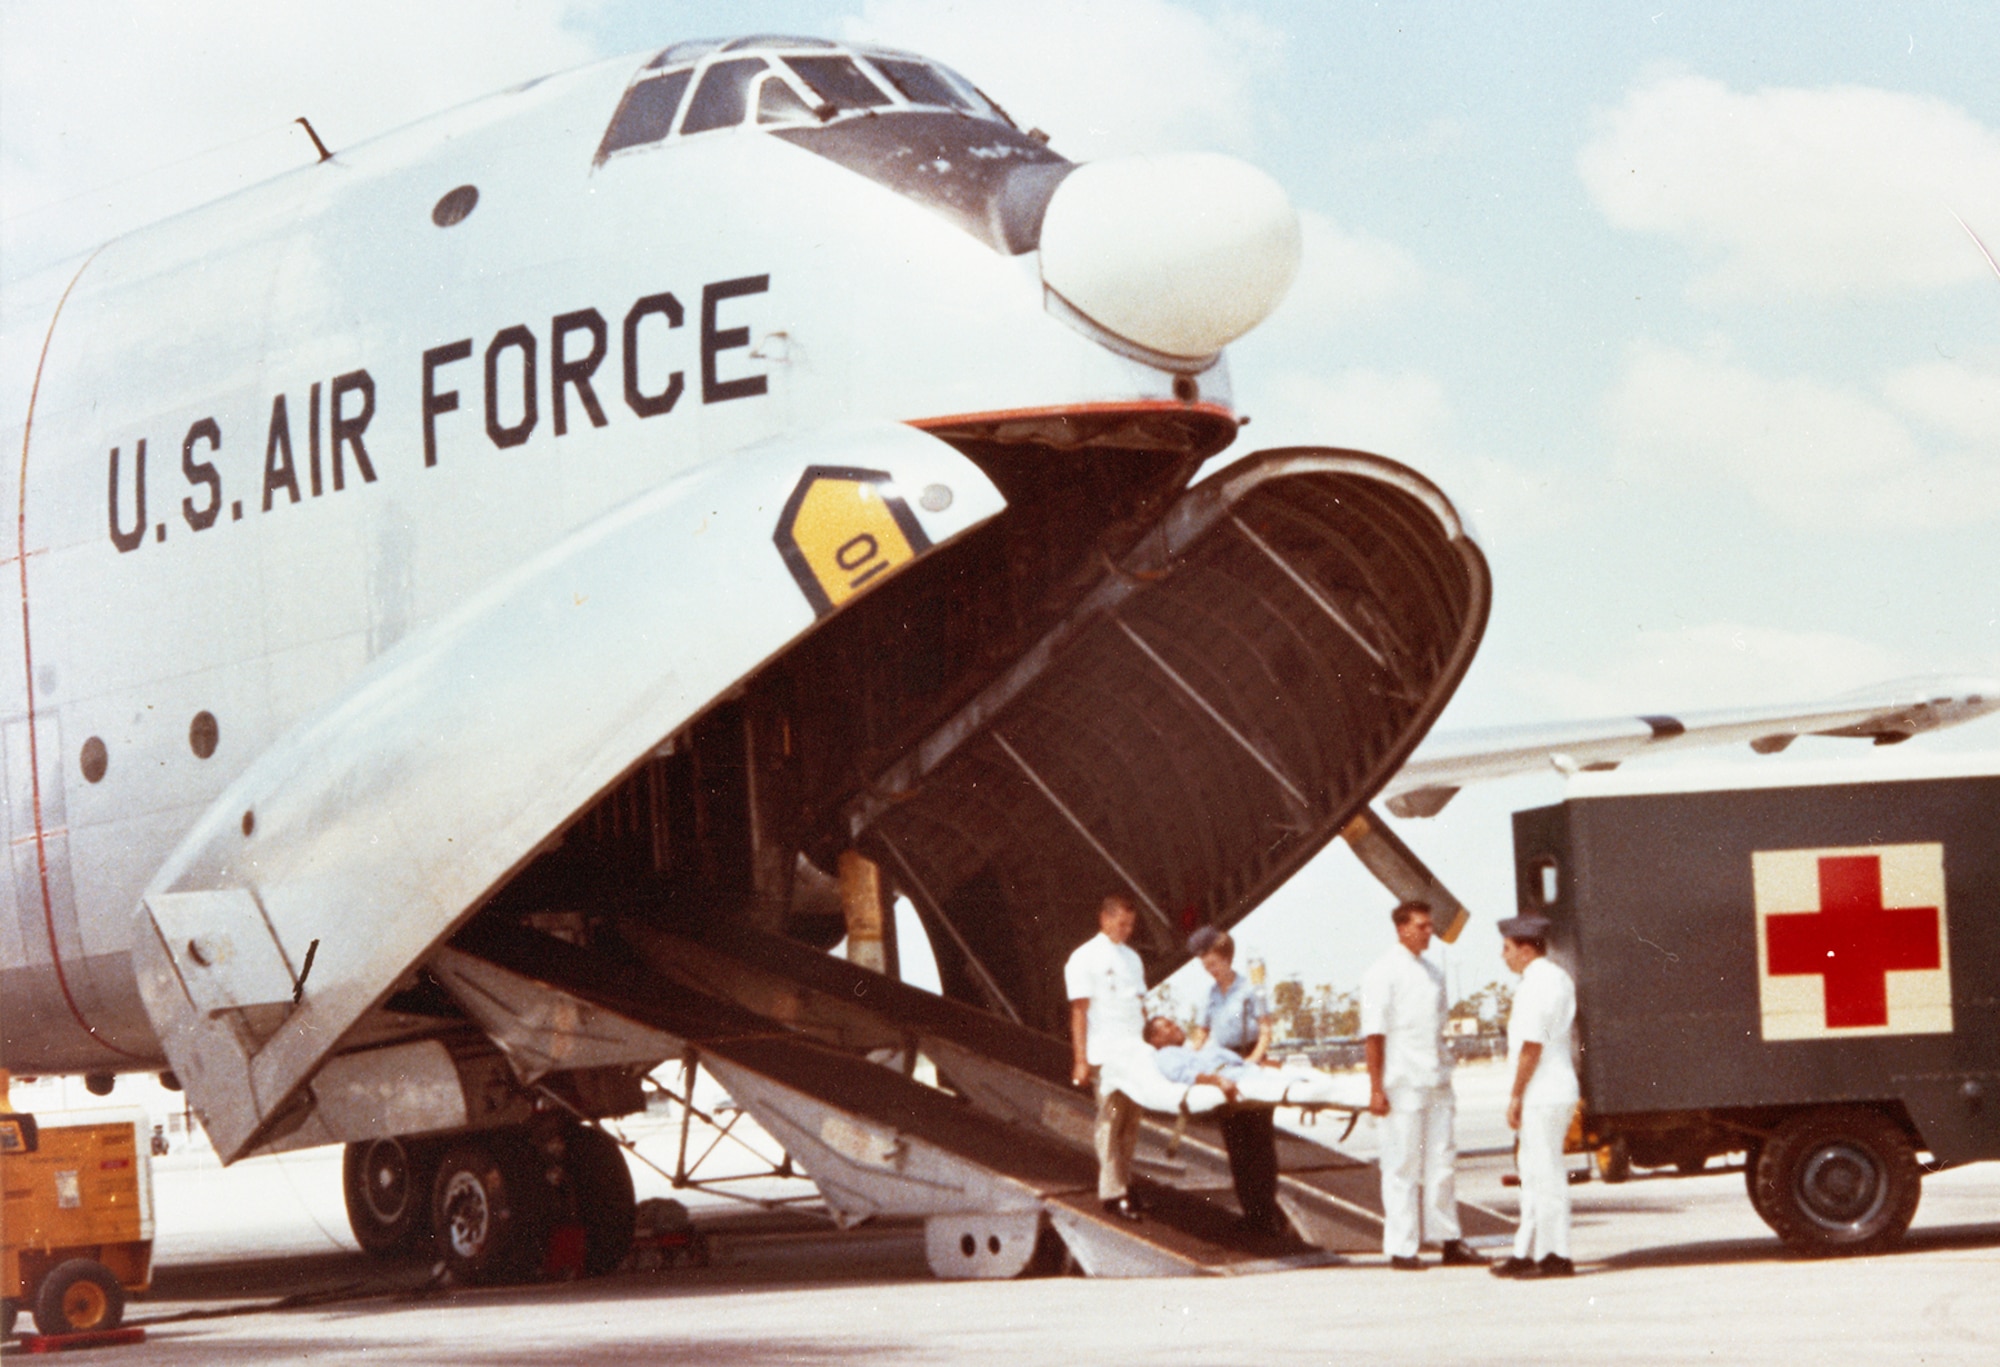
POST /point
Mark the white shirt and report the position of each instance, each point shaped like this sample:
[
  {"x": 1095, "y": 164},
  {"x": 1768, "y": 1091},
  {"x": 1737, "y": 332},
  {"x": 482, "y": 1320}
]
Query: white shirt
[
  {"x": 1544, "y": 1010},
  {"x": 1402, "y": 1000},
  {"x": 1112, "y": 979}
]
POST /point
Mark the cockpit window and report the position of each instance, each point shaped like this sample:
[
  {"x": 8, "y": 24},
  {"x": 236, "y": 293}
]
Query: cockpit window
[
  {"x": 777, "y": 102},
  {"x": 691, "y": 51},
  {"x": 839, "y": 82},
  {"x": 991, "y": 180},
  {"x": 722, "y": 98},
  {"x": 922, "y": 83},
  {"x": 772, "y": 40},
  {"x": 647, "y": 113},
  {"x": 912, "y": 126}
]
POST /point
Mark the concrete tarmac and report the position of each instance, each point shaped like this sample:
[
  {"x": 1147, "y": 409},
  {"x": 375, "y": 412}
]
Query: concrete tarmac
[{"x": 1671, "y": 1269}]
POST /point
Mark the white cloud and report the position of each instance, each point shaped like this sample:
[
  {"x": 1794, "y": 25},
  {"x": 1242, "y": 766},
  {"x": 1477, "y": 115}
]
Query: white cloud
[
  {"x": 1957, "y": 398},
  {"x": 1924, "y": 455},
  {"x": 1106, "y": 78},
  {"x": 1844, "y": 188},
  {"x": 1714, "y": 665},
  {"x": 1406, "y": 416},
  {"x": 1342, "y": 274},
  {"x": 118, "y": 113}
]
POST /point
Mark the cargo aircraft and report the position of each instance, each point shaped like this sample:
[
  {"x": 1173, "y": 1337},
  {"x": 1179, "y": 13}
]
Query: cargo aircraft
[{"x": 493, "y": 599}]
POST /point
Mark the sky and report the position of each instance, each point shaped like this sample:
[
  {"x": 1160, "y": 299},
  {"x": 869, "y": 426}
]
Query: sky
[{"x": 1684, "y": 305}]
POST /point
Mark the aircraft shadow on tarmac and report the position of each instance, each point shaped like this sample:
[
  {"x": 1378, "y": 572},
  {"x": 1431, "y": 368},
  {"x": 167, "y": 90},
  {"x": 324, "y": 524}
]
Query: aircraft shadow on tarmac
[
  {"x": 712, "y": 1352},
  {"x": 1722, "y": 1252},
  {"x": 789, "y": 1252}
]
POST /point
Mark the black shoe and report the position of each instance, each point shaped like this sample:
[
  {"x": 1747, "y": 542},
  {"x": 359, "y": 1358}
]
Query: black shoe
[
  {"x": 1458, "y": 1253},
  {"x": 1517, "y": 1268},
  {"x": 1121, "y": 1207},
  {"x": 1411, "y": 1264},
  {"x": 1555, "y": 1265}
]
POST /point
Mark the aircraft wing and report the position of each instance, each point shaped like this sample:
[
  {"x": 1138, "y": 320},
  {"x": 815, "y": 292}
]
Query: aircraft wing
[{"x": 1886, "y": 713}]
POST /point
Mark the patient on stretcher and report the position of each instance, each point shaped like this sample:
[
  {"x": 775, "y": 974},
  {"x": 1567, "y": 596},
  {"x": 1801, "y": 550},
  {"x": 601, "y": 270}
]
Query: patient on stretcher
[{"x": 1224, "y": 1070}]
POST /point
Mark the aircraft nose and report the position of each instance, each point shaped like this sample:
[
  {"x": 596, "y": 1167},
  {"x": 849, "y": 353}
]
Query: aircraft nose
[{"x": 1181, "y": 254}]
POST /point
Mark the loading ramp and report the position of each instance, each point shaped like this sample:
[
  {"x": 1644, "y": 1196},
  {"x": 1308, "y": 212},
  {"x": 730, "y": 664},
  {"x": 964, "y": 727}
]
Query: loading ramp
[{"x": 998, "y": 1166}]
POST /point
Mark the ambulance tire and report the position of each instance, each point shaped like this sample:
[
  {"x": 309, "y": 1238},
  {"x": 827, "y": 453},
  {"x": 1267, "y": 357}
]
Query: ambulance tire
[
  {"x": 1750, "y": 1182},
  {"x": 604, "y": 1198},
  {"x": 387, "y": 1183},
  {"x": 1614, "y": 1161},
  {"x": 1841, "y": 1179},
  {"x": 79, "y": 1297},
  {"x": 490, "y": 1208}
]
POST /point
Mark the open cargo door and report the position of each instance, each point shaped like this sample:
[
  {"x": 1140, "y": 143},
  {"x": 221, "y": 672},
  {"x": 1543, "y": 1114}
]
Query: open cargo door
[{"x": 1219, "y": 706}]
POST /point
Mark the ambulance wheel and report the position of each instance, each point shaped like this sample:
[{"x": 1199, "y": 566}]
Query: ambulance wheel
[
  {"x": 604, "y": 1200},
  {"x": 1750, "y": 1158},
  {"x": 1614, "y": 1161},
  {"x": 387, "y": 1183},
  {"x": 490, "y": 1208},
  {"x": 1838, "y": 1180},
  {"x": 79, "y": 1297}
]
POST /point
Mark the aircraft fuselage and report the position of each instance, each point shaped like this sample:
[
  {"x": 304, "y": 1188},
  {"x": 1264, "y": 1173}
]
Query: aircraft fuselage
[{"x": 263, "y": 442}]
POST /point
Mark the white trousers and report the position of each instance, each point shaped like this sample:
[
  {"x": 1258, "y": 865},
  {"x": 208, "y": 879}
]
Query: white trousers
[
  {"x": 1544, "y": 1182},
  {"x": 1417, "y": 1155}
]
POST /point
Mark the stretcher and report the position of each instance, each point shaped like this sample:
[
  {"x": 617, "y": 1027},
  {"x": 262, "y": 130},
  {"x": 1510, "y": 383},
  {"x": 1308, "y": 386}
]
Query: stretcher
[{"x": 1134, "y": 1070}]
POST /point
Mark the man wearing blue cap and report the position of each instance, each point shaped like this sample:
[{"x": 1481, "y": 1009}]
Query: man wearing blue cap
[{"x": 1543, "y": 1099}]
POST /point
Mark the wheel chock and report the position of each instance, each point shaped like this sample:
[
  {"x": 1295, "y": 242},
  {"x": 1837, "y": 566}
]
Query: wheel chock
[{"x": 96, "y": 1338}]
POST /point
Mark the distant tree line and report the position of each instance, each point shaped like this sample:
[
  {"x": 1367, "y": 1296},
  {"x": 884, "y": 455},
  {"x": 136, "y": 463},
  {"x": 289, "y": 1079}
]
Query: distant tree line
[{"x": 1321, "y": 1013}]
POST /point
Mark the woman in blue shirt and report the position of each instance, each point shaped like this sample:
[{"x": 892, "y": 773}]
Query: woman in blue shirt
[{"x": 1237, "y": 1019}]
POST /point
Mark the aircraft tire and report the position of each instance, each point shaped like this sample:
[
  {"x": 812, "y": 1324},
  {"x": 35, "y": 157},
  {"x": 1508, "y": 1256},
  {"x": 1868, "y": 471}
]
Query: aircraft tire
[
  {"x": 1840, "y": 1179},
  {"x": 604, "y": 1199},
  {"x": 388, "y": 1185},
  {"x": 490, "y": 1208},
  {"x": 79, "y": 1297}
]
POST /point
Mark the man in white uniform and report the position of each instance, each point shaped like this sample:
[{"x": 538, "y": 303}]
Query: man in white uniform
[
  {"x": 1543, "y": 1100},
  {"x": 1106, "y": 986},
  {"x": 1403, "y": 1017}
]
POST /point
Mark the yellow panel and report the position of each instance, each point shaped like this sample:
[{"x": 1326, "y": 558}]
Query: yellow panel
[
  {"x": 848, "y": 536},
  {"x": 80, "y": 1186}
]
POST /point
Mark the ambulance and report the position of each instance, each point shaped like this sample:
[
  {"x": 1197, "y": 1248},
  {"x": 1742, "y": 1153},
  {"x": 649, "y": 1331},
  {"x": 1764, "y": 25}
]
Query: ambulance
[{"x": 1805, "y": 971}]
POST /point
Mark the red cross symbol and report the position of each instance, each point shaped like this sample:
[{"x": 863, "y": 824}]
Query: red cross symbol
[{"x": 1853, "y": 941}]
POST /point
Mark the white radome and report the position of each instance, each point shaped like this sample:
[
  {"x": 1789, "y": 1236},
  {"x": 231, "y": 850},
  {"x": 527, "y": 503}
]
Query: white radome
[{"x": 1181, "y": 254}]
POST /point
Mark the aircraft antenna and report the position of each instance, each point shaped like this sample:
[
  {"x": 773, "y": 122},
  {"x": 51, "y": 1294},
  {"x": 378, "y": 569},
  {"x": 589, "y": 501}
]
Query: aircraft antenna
[{"x": 306, "y": 124}]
